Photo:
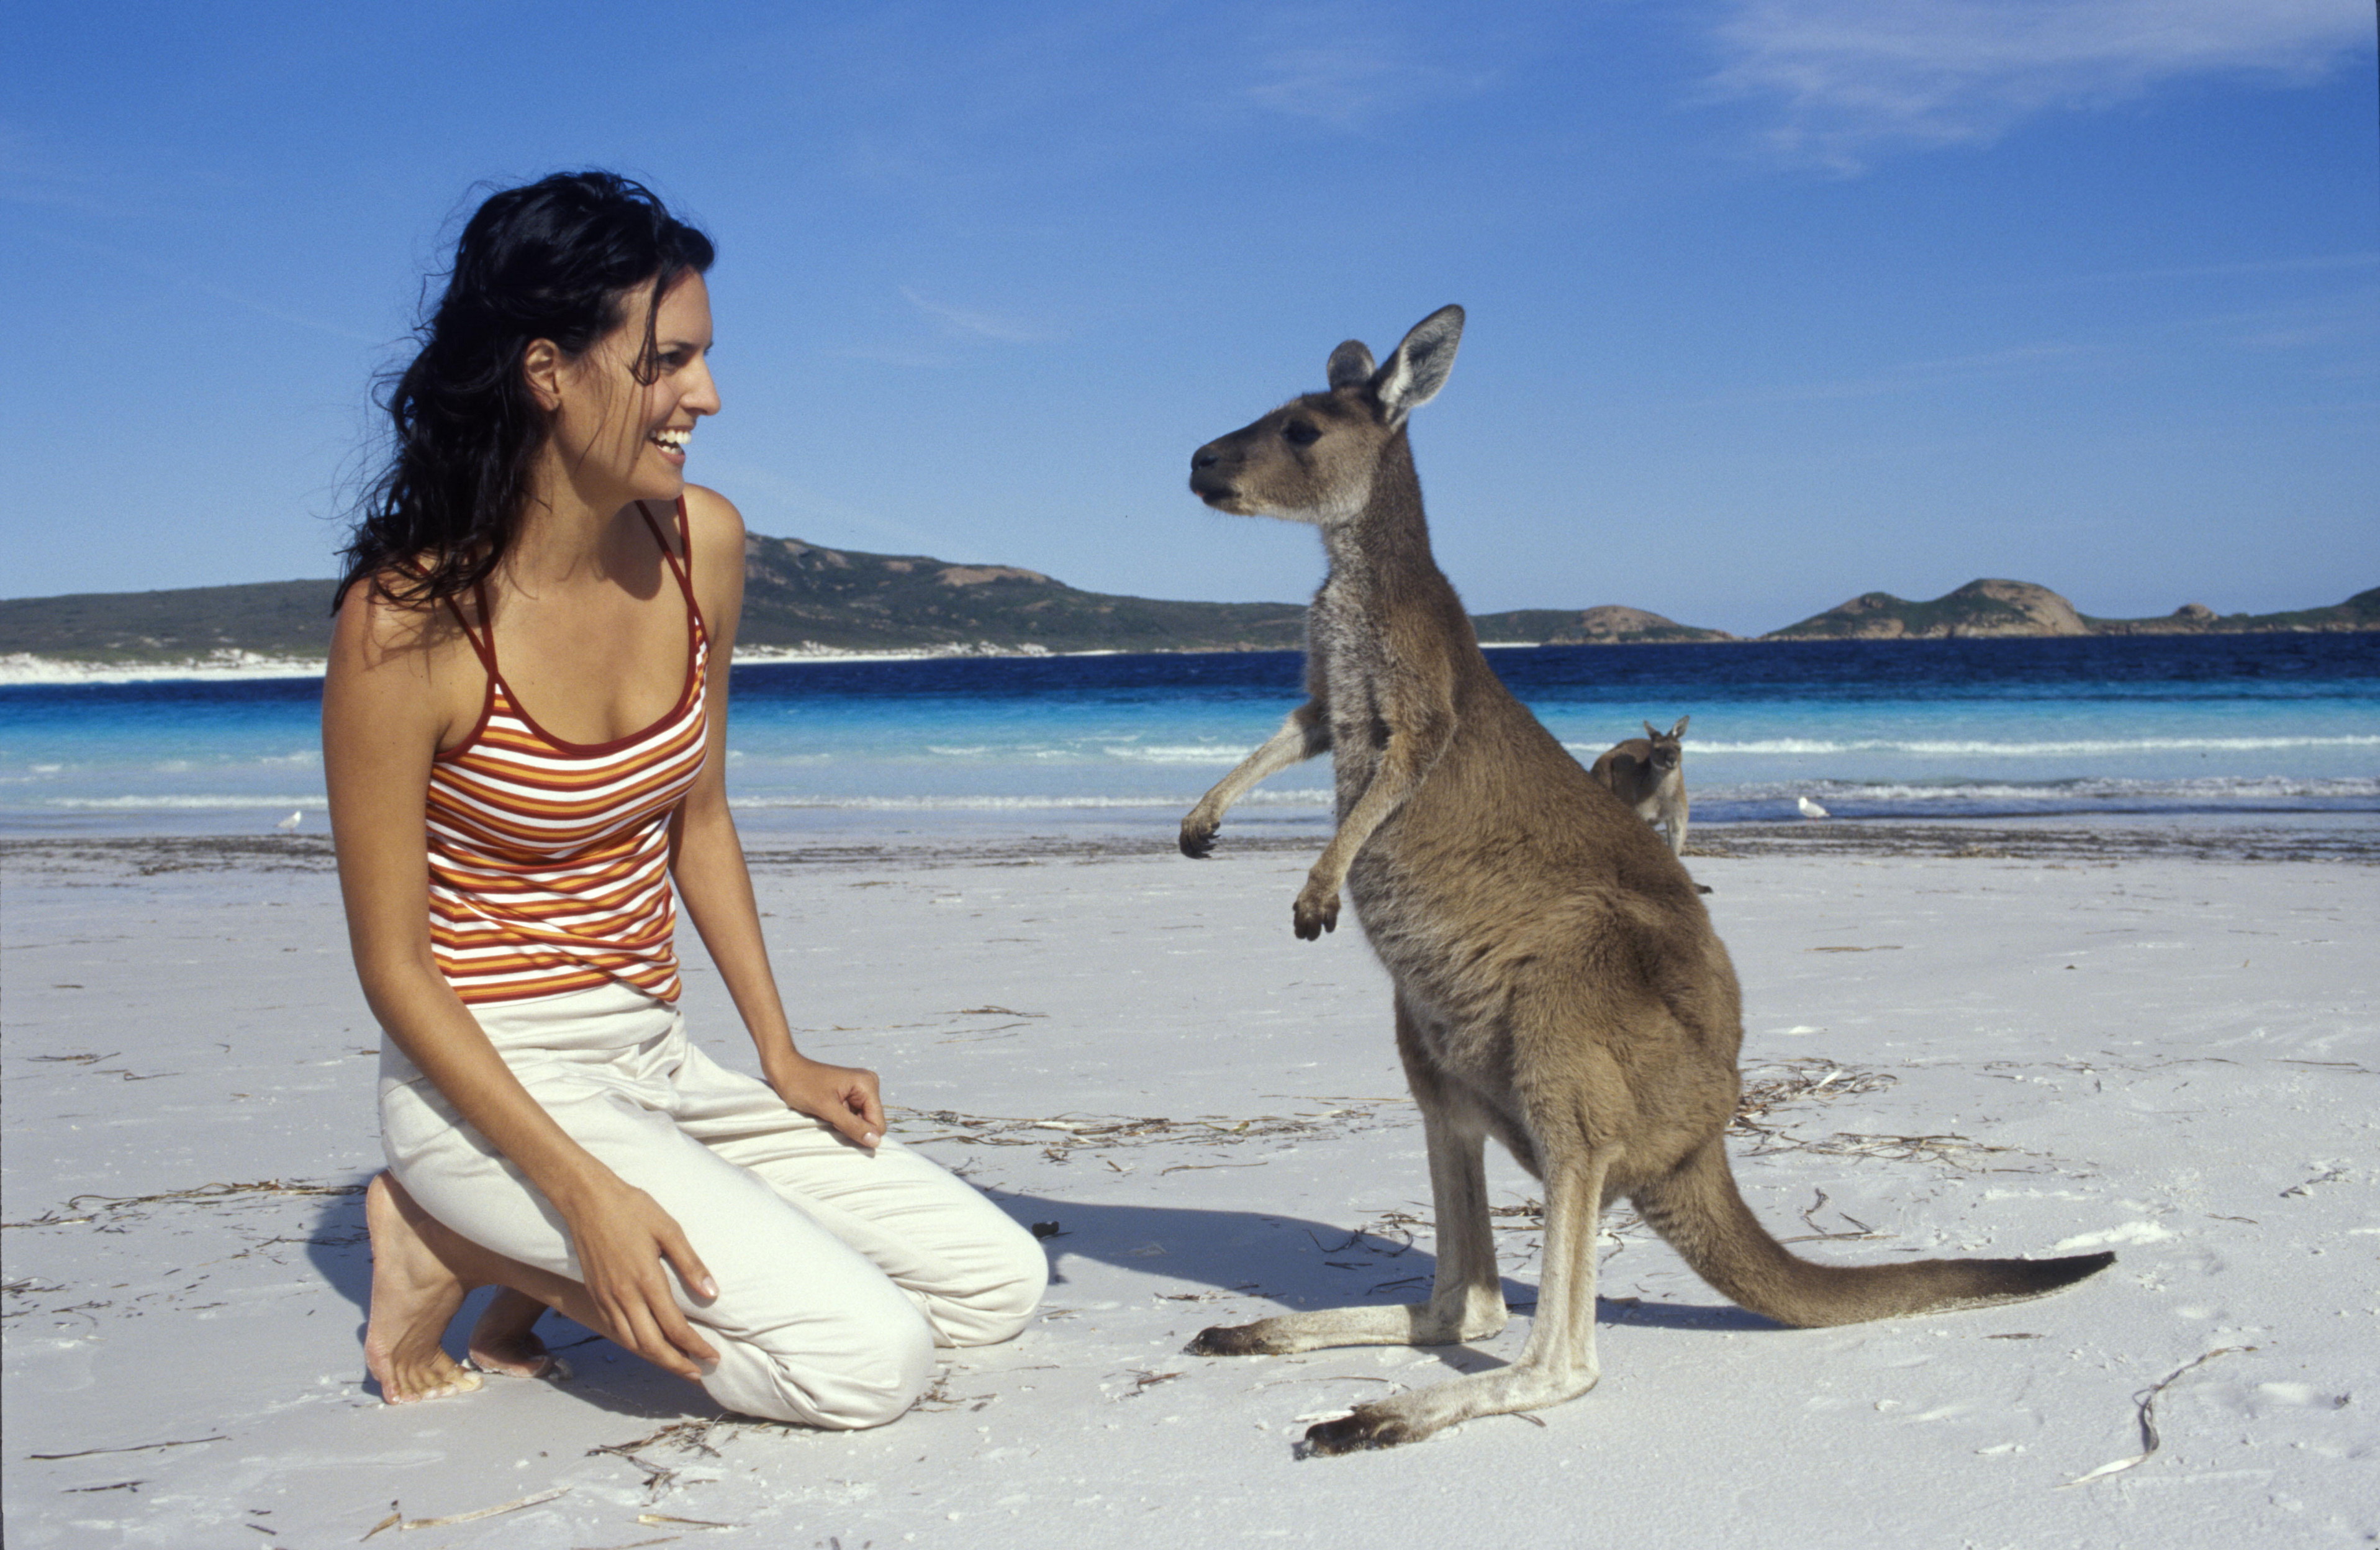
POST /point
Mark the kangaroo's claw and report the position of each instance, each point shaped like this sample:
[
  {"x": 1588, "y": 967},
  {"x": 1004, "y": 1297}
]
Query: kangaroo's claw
[{"x": 1350, "y": 1432}]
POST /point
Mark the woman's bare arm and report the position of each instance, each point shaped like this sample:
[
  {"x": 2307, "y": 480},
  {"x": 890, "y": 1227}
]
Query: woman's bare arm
[
  {"x": 709, "y": 866},
  {"x": 395, "y": 691}
]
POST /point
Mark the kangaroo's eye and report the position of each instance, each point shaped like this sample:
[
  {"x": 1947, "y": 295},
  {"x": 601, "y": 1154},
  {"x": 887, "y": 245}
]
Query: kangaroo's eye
[{"x": 1301, "y": 433}]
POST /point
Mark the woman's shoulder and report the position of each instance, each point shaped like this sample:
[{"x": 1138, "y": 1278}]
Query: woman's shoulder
[
  {"x": 386, "y": 615},
  {"x": 712, "y": 518},
  {"x": 715, "y": 533}
]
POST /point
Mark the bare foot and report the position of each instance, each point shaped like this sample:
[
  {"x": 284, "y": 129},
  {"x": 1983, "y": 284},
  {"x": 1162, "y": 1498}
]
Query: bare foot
[
  {"x": 505, "y": 1340},
  {"x": 415, "y": 1295}
]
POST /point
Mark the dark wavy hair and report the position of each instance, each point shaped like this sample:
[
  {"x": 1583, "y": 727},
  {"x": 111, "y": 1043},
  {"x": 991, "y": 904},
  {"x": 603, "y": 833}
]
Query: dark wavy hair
[{"x": 554, "y": 259}]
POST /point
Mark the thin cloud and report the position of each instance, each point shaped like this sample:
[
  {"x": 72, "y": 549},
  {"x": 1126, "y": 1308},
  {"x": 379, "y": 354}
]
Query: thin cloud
[
  {"x": 1914, "y": 376},
  {"x": 167, "y": 274},
  {"x": 784, "y": 503},
  {"x": 980, "y": 324},
  {"x": 1347, "y": 85},
  {"x": 2315, "y": 264},
  {"x": 1856, "y": 77}
]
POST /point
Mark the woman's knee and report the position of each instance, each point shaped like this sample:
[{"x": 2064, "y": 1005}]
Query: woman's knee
[
  {"x": 872, "y": 1388},
  {"x": 1003, "y": 1302},
  {"x": 872, "y": 1376}
]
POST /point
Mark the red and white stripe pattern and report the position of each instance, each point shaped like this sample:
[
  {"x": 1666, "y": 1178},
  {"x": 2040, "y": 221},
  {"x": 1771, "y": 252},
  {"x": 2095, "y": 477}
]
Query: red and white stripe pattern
[{"x": 549, "y": 861}]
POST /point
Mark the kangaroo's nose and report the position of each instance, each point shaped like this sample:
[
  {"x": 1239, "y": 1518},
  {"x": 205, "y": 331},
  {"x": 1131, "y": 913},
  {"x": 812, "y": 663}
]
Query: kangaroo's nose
[{"x": 1204, "y": 458}]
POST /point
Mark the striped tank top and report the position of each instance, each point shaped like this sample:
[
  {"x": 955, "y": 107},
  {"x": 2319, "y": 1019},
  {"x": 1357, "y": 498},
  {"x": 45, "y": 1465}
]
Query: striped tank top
[{"x": 548, "y": 860}]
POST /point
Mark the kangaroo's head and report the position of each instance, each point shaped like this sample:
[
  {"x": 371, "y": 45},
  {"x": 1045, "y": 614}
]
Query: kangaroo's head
[
  {"x": 1313, "y": 459},
  {"x": 1665, "y": 751}
]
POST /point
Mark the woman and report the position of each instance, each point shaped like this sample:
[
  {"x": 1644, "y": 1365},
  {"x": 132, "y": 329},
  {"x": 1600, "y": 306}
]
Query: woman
[{"x": 533, "y": 636}]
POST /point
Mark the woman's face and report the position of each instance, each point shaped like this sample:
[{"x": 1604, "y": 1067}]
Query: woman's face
[{"x": 619, "y": 439}]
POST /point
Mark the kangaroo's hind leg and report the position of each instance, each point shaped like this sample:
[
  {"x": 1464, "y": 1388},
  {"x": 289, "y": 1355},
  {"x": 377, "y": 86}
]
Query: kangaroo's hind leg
[
  {"x": 1558, "y": 1363},
  {"x": 1467, "y": 1299}
]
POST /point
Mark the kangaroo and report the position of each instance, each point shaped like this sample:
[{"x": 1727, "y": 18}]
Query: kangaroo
[
  {"x": 1558, "y": 984},
  {"x": 1647, "y": 774}
]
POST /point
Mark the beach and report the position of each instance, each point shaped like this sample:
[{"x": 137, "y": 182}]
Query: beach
[{"x": 2005, "y": 1038}]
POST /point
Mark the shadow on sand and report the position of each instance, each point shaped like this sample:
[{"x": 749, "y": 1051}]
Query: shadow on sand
[{"x": 1289, "y": 1261}]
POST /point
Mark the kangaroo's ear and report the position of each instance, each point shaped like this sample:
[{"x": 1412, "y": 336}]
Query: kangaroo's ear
[
  {"x": 1651, "y": 730},
  {"x": 1419, "y": 369},
  {"x": 1349, "y": 364},
  {"x": 1680, "y": 729}
]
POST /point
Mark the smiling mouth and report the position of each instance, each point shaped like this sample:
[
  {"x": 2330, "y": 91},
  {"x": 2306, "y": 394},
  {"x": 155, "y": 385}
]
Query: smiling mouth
[{"x": 672, "y": 441}]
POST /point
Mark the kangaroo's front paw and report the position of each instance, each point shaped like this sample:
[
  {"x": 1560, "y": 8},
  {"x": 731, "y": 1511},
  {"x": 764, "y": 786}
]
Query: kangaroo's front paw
[
  {"x": 1198, "y": 836},
  {"x": 1316, "y": 911},
  {"x": 1365, "y": 1428}
]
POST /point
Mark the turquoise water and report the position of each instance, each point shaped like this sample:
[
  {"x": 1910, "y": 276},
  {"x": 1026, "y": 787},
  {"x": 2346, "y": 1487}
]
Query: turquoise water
[{"x": 1957, "y": 728}]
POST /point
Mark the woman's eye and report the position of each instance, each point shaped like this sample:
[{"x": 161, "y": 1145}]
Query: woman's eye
[{"x": 1299, "y": 433}]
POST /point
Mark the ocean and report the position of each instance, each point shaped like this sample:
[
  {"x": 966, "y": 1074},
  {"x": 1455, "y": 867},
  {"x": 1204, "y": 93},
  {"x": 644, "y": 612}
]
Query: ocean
[{"x": 2205, "y": 725}]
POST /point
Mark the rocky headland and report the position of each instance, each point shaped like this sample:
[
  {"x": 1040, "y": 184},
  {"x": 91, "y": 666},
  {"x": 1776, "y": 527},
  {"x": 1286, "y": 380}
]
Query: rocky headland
[{"x": 804, "y": 600}]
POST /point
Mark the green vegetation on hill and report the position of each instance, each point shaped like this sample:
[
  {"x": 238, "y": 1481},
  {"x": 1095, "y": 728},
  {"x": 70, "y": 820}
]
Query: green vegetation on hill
[
  {"x": 2360, "y": 612},
  {"x": 1980, "y": 608},
  {"x": 1990, "y": 608},
  {"x": 798, "y": 595},
  {"x": 1530, "y": 625},
  {"x": 265, "y": 618}
]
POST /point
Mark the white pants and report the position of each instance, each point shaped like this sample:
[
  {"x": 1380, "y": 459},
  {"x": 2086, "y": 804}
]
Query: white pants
[{"x": 838, "y": 1270}]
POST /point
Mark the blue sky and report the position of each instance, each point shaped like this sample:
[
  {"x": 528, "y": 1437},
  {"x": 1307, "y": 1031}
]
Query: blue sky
[{"x": 1771, "y": 301}]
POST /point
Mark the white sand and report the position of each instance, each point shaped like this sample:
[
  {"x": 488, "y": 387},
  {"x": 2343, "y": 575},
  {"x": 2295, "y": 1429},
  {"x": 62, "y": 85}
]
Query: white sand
[{"x": 2174, "y": 1059}]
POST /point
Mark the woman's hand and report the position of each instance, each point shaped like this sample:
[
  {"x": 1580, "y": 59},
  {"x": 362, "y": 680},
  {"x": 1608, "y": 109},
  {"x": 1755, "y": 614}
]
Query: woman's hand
[
  {"x": 844, "y": 1096},
  {"x": 622, "y": 1236}
]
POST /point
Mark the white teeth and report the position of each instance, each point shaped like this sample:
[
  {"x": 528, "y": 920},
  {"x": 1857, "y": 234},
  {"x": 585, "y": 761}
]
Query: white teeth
[{"x": 675, "y": 439}]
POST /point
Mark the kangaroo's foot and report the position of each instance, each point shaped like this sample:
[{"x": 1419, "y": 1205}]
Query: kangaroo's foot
[
  {"x": 415, "y": 1294},
  {"x": 1395, "y": 1323},
  {"x": 1408, "y": 1418},
  {"x": 505, "y": 1340}
]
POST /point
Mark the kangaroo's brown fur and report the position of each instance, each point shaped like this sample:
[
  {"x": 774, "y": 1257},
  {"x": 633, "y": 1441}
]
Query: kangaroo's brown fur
[
  {"x": 1557, "y": 982},
  {"x": 1648, "y": 773}
]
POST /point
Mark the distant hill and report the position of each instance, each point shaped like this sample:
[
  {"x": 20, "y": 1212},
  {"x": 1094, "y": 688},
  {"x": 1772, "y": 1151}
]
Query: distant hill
[
  {"x": 805, "y": 597},
  {"x": 1608, "y": 625},
  {"x": 2360, "y": 612},
  {"x": 1990, "y": 608},
  {"x": 796, "y": 596},
  {"x": 285, "y": 619},
  {"x": 800, "y": 595}
]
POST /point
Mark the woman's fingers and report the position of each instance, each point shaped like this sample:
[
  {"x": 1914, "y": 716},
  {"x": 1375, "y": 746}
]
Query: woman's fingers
[
  {"x": 646, "y": 1337},
  {"x": 699, "y": 1281},
  {"x": 682, "y": 1339},
  {"x": 857, "y": 1116},
  {"x": 690, "y": 1268},
  {"x": 870, "y": 1107},
  {"x": 622, "y": 1251},
  {"x": 843, "y": 1097}
]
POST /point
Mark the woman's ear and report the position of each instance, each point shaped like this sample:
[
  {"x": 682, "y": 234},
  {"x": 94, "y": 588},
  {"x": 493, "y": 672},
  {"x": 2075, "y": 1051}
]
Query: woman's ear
[{"x": 541, "y": 369}]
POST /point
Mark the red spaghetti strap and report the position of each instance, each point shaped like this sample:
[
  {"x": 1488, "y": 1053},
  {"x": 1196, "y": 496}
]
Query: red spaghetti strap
[
  {"x": 485, "y": 650},
  {"x": 685, "y": 581}
]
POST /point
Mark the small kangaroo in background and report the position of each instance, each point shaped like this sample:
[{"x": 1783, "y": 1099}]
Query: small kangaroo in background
[
  {"x": 1558, "y": 984},
  {"x": 1648, "y": 773}
]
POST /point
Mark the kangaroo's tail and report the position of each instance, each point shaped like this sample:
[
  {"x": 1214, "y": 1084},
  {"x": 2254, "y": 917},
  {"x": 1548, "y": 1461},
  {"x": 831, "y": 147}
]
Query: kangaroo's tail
[{"x": 1698, "y": 1210}]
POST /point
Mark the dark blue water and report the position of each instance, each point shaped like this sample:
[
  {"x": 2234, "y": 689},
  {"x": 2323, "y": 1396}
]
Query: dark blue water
[{"x": 2221, "y": 723}]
